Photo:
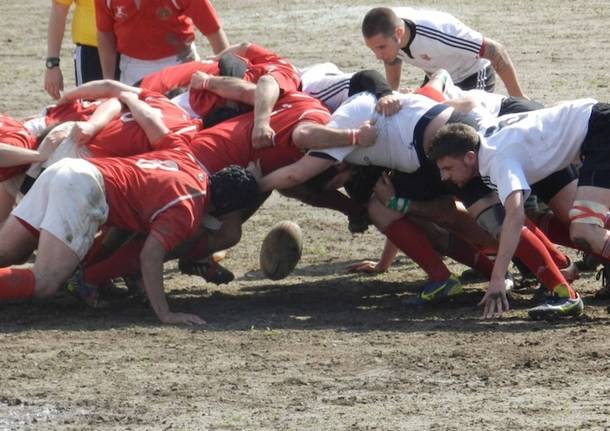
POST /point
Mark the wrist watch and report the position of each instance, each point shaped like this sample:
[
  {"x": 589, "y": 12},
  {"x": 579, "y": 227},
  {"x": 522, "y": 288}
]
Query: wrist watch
[{"x": 52, "y": 62}]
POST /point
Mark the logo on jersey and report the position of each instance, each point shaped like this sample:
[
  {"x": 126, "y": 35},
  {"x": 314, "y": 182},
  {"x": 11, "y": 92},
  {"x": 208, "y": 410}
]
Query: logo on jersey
[
  {"x": 119, "y": 13},
  {"x": 425, "y": 57}
]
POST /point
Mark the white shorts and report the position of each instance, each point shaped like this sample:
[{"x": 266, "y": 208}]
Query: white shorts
[
  {"x": 134, "y": 69},
  {"x": 68, "y": 201}
]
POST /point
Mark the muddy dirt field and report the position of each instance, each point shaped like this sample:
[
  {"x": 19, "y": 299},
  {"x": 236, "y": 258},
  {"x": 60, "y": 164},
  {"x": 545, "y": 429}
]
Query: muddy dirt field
[{"x": 321, "y": 349}]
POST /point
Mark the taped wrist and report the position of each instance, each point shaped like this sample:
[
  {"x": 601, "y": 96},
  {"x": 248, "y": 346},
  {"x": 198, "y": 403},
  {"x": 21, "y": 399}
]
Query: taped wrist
[{"x": 398, "y": 204}]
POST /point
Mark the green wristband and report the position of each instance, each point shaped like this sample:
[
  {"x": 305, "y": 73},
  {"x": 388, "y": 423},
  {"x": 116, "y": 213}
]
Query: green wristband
[{"x": 398, "y": 204}]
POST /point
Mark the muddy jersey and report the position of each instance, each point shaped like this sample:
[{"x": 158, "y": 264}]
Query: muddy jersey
[
  {"x": 158, "y": 29},
  {"x": 170, "y": 78},
  {"x": 230, "y": 142},
  {"x": 13, "y": 132},
  {"x": 441, "y": 41},
  {"x": 521, "y": 149},
  {"x": 163, "y": 192}
]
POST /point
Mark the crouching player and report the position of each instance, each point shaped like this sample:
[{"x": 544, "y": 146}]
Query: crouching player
[
  {"x": 520, "y": 149},
  {"x": 162, "y": 194}
]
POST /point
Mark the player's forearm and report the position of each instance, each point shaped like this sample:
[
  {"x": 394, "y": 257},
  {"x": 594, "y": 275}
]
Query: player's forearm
[
  {"x": 106, "y": 47},
  {"x": 393, "y": 72},
  {"x": 502, "y": 64},
  {"x": 15, "y": 156},
  {"x": 151, "y": 263},
  {"x": 56, "y": 28},
  {"x": 233, "y": 89},
  {"x": 294, "y": 175},
  {"x": 148, "y": 118},
  {"x": 218, "y": 41},
  {"x": 105, "y": 113},
  {"x": 509, "y": 240},
  {"x": 313, "y": 136},
  {"x": 101, "y": 89},
  {"x": 265, "y": 96},
  {"x": 387, "y": 256}
]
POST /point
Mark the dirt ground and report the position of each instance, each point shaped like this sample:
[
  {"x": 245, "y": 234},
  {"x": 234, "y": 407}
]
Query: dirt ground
[{"x": 322, "y": 349}]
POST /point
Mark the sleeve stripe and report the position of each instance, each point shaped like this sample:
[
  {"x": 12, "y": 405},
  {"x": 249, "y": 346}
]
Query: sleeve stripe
[
  {"x": 344, "y": 83},
  {"x": 190, "y": 196},
  {"x": 454, "y": 41}
]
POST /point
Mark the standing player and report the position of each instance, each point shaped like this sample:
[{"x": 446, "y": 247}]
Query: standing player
[
  {"x": 432, "y": 40},
  {"x": 86, "y": 59},
  {"x": 152, "y": 35}
]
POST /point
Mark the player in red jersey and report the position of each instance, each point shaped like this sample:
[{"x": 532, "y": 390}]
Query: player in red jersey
[
  {"x": 152, "y": 35},
  {"x": 174, "y": 77},
  {"x": 162, "y": 194}
]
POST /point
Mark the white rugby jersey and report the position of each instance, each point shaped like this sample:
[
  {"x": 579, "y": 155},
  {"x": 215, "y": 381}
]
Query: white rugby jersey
[
  {"x": 521, "y": 149},
  {"x": 394, "y": 147},
  {"x": 442, "y": 42},
  {"x": 327, "y": 83},
  {"x": 490, "y": 102}
]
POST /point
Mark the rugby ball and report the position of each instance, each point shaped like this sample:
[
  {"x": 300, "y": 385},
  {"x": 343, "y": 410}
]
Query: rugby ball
[{"x": 281, "y": 250}]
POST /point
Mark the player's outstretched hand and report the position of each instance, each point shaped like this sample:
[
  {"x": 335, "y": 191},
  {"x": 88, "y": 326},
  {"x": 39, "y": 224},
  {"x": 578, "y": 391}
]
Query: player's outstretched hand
[
  {"x": 366, "y": 266},
  {"x": 388, "y": 105},
  {"x": 495, "y": 301},
  {"x": 262, "y": 136},
  {"x": 368, "y": 134},
  {"x": 182, "y": 319}
]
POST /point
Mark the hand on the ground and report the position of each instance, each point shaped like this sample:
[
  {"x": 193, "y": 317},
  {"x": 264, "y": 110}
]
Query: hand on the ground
[
  {"x": 366, "y": 266},
  {"x": 262, "y": 136},
  {"x": 388, "y": 105},
  {"x": 368, "y": 134},
  {"x": 384, "y": 189},
  {"x": 54, "y": 82},
  {"x": 495, "y": 301},
  {"x": 182, "y": 319}
]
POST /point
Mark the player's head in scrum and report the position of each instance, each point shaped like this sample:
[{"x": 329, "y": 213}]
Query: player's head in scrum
[{"x": 384, "y": 33}]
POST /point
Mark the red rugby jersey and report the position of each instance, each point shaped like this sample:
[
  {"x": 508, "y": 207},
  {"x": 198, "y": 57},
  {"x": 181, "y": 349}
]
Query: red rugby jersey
[
  {"x": 170, "y": 78},
  {"x": 230, "y": 142},
  {"x": 163, "y": 192},
  {"x": 159, "y": 28},
  {"x": 12, "y": 132},
  {"x": 123, "y": 136}
]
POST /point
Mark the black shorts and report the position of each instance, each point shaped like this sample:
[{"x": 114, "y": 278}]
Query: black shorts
[
  {"x": 548, "y": 187},
  {"x": 87, "y": 65},
  {"x": 484, "y": 79},
  {"x": 421, "y": 185},
  {"x": 515, "y": 105},
  {"x": 472, "y": 191},
  {"x": 595, "y": 150}
]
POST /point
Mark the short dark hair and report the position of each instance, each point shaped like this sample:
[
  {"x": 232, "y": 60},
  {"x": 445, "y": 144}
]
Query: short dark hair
[
  {"x": 232, "y": 188},
  {"x": 454, "y": 140},
  {"x": 379, "y": 20}
]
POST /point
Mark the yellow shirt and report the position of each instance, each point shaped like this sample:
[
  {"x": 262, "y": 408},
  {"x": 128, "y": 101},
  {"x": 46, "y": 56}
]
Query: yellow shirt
[{"x": 84, "y": 30}]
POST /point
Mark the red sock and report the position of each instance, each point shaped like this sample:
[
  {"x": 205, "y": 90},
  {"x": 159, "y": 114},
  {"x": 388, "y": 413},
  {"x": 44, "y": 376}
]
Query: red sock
[
  {"x": 16, "y": 283},
  {"x": 536, "y": 257},
  {"x": 124, "y": 261},
  {"x": 559, "y": 233},
  {"x": 464, "y": 252},
  {"x": 560, "y": 259},
  {"x": 409, "y": 238}
]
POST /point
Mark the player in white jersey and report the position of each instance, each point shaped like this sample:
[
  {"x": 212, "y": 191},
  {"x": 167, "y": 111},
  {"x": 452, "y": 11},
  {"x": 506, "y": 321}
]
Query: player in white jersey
[
  {"x": 518, "y": 150},
  {"x": 432, "y": 40}
]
